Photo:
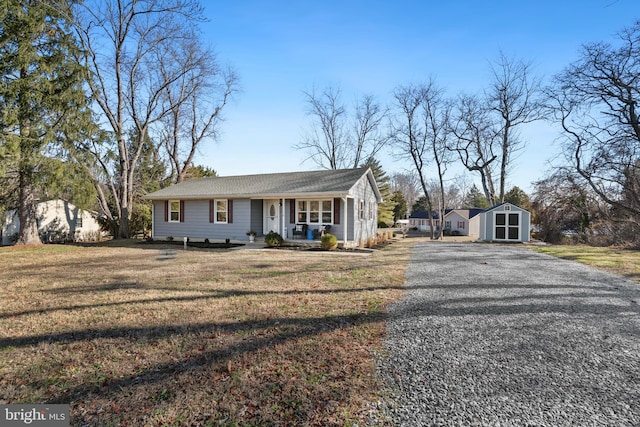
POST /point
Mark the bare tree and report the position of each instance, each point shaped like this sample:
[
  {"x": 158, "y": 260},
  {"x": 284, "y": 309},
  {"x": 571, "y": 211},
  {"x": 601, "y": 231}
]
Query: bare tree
[
  {"x": 131, "y": 47},
  {"x": 370, "y": 134},
  {"x": 486, "y": 129},
  {"x": 474, "y": 139},
  {"x": 562, "y": 202},
  {"x": 408, "y": 184},
  {"x": 513, "y": 97},
  {"x": 420, "y": 131},
  {"x": 194, "y": 103},
  {"x": 595, "y": 100},
  {"x": 336, "y": 140}
]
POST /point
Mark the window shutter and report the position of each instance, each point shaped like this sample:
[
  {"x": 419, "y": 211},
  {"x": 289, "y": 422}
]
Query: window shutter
[
  {"x": 166, "y": 211},
  {"x": 292, "y": 211},
  {"x": 181, "y": 210},
  {"x": 336, "y": 210},
  {"x": 230, "y": 211},
  {"x": 211, "y": 210}
]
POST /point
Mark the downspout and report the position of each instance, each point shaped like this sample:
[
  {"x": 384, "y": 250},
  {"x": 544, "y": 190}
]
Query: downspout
[
  {"x": 344, "y": 221},
  {"x": 153, "y": 219}
]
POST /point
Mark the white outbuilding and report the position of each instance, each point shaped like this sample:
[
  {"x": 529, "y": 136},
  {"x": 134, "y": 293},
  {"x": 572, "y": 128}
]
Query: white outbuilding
[
  {"x": 58, "y": 220},
  {"x": 505, "y": 223}
]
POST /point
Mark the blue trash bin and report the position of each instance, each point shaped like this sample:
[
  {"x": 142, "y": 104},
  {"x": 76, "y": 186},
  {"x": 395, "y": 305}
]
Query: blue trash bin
[{"x": 309, "y": 234}]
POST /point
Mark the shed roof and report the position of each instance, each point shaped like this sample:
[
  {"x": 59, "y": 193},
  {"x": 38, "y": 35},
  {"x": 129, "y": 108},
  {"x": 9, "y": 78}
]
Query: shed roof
[
  {"x": 502, "y": 205},
  {"x": 290, "y": 184}
]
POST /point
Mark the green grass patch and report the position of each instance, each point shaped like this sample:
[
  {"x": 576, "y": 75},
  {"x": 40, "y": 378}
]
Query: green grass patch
[{"x": 624, "y": 262}]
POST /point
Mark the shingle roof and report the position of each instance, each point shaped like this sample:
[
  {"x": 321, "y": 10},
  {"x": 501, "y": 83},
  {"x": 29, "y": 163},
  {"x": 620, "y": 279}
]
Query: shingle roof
[
  {"x": 423, "y": 215},
  {"x": 291, "y": 184}
]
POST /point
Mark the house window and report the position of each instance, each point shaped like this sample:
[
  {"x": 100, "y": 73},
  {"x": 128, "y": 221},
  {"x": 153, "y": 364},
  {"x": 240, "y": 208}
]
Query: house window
[
  {"x": 221, "y": 211},
  {"x": 327, "y": 212},
  {"x": 447, "y": 225},
  {"x": 361, "y": 210},
  {"x": 79, "y": 222},
  {"x": 461, "y": 225},
  {"x": 315, "y": 211},
  {"x": 302, "y": 211},
  {"x": 174, "y": 211},
  {"x": 371, "y": 210}
]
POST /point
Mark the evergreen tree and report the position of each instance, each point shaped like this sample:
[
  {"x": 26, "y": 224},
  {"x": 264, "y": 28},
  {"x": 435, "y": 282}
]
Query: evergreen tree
[
  {"x": 199, "y": 171},
  {"x": 518, "y": 197},
  {"x": 420, "y": 205},
  {"x": 44, "y": 108},
  {"x": 400, "y": 208},
  {"x": 475, "y": 199},
  {"x": 385, "y": 209}
]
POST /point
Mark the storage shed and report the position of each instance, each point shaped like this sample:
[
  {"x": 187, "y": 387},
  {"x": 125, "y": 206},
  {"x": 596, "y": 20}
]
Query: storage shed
[{"x": 505, "y": 223}]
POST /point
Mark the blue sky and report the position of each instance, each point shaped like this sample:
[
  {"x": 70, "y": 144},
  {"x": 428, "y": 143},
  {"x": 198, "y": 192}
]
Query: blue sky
[{"x": 282, "y": 48}]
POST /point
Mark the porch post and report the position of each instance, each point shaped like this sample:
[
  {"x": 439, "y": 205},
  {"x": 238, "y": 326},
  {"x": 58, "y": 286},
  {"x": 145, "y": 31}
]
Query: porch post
[
  {"x": 282, "y": 221},
  {"x": 344, "y": 221}
]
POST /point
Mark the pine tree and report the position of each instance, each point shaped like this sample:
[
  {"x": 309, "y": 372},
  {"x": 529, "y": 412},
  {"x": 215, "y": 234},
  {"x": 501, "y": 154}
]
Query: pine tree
[
  {"x": 517, "y": 196},
  {"x": 385, "y": 209},
  {"x": 475, "y": 199},
  {"x": 44, "y": 108},
  {"x": 421, "y": 205},
  {"x": 400, "y": 208}
]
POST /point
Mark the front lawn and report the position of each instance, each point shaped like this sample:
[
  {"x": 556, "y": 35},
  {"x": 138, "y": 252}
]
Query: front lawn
[
  {"x": 139, "y": 334},
  {"x": 619, "y": 261}
]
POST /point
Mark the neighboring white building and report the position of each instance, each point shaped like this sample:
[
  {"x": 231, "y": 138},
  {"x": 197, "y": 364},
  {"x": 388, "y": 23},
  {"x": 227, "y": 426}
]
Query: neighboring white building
[
  {"x": 462, "y": 222},
  {"x": 58, "y": 220}
]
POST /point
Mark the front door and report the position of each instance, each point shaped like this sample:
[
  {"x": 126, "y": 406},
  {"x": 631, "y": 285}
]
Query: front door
[{"x": 271, "y": 216}]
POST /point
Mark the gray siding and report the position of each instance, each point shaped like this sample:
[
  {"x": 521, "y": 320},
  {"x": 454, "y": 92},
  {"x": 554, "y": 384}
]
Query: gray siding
[
  {"x": 361, "y": 230},
  {"x": 196, "y": 223},
  {"x": 248, "y": 215}
]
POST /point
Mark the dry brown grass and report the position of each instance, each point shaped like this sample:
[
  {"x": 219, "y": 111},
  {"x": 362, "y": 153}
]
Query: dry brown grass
[{"x": 138, "y": 334}]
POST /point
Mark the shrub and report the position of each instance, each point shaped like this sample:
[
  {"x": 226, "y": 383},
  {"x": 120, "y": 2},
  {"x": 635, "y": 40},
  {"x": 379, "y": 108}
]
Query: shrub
[
  {"x": 328, "y": 242},
  {"x": 273, "y": 239},
  {"x": 170, "y": 238}
]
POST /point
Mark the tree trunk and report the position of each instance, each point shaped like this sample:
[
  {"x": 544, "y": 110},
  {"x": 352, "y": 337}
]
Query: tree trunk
[
  {"x": 123, "y": 230},
  {"x": 27, "y": 213}
]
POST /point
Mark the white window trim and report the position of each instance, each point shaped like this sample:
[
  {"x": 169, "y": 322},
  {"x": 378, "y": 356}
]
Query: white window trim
[
  {"x": 171, "y": 202},
  {"x": 215, "y": 211},
  {"x": 361, "y": 210},
  {"x": 308, "y": 211}
]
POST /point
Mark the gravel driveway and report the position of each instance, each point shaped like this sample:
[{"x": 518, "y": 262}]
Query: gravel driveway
[{"x": 500, "y": 335}]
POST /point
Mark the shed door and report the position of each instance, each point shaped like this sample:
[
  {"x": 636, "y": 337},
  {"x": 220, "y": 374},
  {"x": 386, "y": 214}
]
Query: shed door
[{"x": 507, "y": 226}]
